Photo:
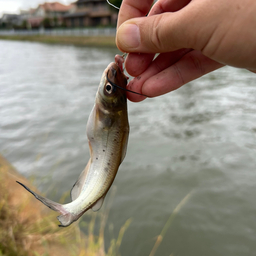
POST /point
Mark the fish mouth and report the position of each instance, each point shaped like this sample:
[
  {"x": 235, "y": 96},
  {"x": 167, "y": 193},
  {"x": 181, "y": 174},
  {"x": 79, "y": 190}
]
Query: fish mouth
[
  {"x": 114, "y": 74},
  {"x": 116, "y": 77},
  {"x": 112, "y": 70}
]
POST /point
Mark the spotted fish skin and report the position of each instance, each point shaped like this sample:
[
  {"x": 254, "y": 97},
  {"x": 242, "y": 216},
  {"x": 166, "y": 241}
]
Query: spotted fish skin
[{"x": 107, "y": 133}]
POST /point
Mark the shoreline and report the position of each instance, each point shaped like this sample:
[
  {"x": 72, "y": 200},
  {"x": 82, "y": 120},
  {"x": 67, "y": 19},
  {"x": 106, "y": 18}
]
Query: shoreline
[
  {"x": 26, "y": 227},
  {"x": 98, "y": 41}
]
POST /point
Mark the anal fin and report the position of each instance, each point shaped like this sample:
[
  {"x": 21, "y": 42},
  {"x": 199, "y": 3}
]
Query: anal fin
[{"x": 98, "y": 204}]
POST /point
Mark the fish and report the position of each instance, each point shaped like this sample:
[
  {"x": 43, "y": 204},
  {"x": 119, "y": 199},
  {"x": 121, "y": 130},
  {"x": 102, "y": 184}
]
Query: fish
[{"x": 107, "y": 132}]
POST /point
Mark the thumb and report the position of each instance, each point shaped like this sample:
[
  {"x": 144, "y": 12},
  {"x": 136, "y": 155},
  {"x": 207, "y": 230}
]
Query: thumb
[{"x": 161, "y": 33}]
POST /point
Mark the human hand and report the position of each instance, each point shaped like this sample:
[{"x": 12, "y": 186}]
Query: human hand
[{"x": 192, "y": 37}]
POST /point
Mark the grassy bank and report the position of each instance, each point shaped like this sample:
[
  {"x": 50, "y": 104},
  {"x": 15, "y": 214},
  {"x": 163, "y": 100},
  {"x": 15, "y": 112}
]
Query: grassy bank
[
  {"x": 99, "y": 41},
  {"x": 28, "y": 228}
]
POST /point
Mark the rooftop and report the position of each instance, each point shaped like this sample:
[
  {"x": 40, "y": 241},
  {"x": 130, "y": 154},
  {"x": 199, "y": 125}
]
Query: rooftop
[
  {"x": 56, "y": 7},
  {"x": 83, "y": 1}
]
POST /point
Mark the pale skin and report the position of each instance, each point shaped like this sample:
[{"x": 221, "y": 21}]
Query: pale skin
[{"x": 193, "y": 38}]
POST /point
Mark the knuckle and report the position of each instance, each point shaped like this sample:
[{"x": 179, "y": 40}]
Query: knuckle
[
  {"x": 156, "y": 38},
  {"x": 197, "y": 65},
  {"x": 180, "y": 78}
]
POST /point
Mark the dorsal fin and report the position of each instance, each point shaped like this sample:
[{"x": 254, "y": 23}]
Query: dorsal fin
[
  {"x": 77, "y": 188},
  {"x": 98, "y": 204}
]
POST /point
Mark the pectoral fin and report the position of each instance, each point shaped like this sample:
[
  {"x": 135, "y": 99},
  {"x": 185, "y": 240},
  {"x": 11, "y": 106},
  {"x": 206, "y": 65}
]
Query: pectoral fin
[
  {"x": 98, "y": 204},
  {"x": 77, "y": 188}
]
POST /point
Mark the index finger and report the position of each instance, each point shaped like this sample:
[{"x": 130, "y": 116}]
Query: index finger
[{"x": 132, "y": 9}]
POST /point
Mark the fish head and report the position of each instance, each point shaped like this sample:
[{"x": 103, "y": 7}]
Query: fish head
[{"x": 112, "y": 86}]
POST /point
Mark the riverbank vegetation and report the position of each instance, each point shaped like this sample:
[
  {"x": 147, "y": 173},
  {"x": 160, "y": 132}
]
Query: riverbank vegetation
[
  {"x": 99, "y": 41},
  {"x": 27, "y": 228}
]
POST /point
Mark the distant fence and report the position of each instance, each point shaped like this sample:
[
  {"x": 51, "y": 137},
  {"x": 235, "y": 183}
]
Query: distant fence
[{"x": 62, "y": 32}]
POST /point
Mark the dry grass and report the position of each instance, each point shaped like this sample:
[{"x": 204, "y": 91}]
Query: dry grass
[
  {"x": 27, "y": 228},
  {"x": 99, "y": 41}
]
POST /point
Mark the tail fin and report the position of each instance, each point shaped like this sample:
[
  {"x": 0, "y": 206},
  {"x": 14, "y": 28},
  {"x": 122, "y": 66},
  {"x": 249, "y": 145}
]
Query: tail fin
[{"x": 66, "y": 218}]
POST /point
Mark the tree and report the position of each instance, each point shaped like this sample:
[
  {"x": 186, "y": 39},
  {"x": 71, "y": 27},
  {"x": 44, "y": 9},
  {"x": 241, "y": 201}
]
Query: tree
[
  {"x": 24, "y": 24},
  {"x": 47, "y": 23}
]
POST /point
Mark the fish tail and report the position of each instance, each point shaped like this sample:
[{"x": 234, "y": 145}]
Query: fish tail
[{"x": 66, "y": 218}]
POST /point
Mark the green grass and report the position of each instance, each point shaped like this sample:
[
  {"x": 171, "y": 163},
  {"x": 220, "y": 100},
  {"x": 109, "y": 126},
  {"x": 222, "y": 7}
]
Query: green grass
[{"x": 99, "y": 41}]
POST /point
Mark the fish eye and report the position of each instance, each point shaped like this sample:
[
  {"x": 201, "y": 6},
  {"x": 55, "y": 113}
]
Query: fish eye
[{"x": 109, "y": 88}]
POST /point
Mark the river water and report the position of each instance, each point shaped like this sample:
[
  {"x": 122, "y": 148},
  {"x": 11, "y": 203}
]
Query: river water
[{"x": 199, "y": 141}]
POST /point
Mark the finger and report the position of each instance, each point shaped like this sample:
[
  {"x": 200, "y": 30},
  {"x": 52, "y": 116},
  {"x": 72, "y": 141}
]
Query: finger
[
  {"x": 130, "y": 9},
  {"x": 192, "y": 66},
  {"x": 150, "y": 34},
  {"x": 162, "y": 6},
  {"x": 133, "y": 8},
  {"x": 137, "y": 63},
  {"x": 168, "y": 31},
  {"x": 162, "y": 62}
]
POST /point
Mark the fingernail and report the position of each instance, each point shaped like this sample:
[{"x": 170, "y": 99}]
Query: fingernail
[{"x": 128, "y": 36}]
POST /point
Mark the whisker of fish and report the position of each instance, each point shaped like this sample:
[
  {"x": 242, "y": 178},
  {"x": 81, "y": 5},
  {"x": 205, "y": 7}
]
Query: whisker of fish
[{"x": 125, "y": 89}]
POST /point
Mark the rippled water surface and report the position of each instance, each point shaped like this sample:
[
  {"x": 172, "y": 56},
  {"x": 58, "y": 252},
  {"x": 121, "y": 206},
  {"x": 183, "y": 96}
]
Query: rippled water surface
[{"x": 199, "y": 140}]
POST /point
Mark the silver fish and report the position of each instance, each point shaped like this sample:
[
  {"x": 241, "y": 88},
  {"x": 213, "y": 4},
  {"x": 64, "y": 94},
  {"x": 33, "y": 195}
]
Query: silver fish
[{"x": 107, "y": 132}]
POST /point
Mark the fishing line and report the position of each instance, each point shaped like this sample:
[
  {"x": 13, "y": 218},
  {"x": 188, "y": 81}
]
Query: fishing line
[
  {"x": 113, "y": 5},
  {"x": 117, "y": 9},
  {"x": 124, "y": 55},
  {"x": 113, "y": 84}
]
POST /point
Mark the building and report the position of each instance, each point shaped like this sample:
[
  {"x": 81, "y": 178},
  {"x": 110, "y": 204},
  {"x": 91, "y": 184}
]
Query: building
[
  {"x": 88, "y": 13},
  {"x": 48, "y": 14},
  {"x": 10, "y": 20},
  {"x": 52, "y": 10},
  {"x": 30, "y": 19}
]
